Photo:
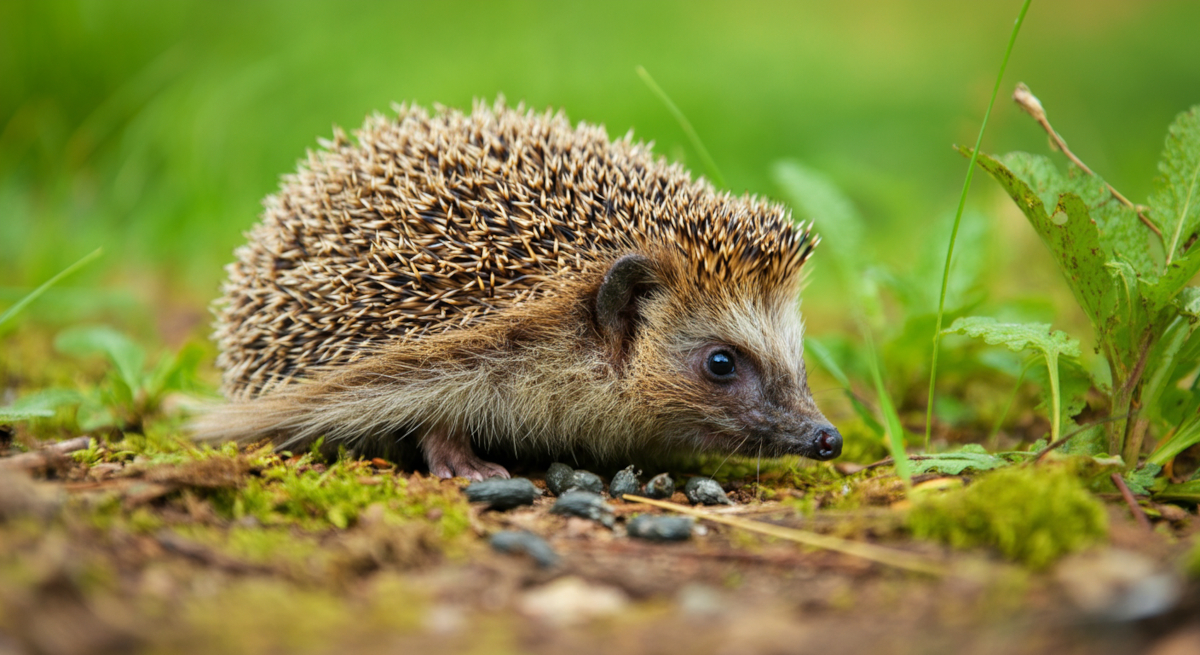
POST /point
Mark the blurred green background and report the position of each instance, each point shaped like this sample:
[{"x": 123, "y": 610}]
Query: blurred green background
[{"x": 154, "y": 128}]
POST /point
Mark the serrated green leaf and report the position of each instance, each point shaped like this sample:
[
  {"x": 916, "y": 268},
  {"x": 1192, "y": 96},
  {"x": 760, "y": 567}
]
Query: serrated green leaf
[
  {"x": 1022, "y": 336},
  {"x": 1142, "y": 480},
  {"x": 1187, "y": 302},
  {"x": 1061, "y": 220},
  {"x": 126, "y": 356},
  {"x": 969, "y": 457},
  {"x": 1017, "y": 336},
  {"x": 1175, "y": 203}
]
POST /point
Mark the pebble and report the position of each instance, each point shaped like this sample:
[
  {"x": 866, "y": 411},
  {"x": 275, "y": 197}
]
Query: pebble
[
  {"x": 625, "y": 482},
  {"x": 661, "y": 528},
  {"x": 705, "y": 491},
  {"x": 522, "y": 542},
  {"x": 503, "y": 494},
  {"x": 558, "y": 478},
  {"x": 585, "y": 504},
  {"x": 660, "y": 486}
]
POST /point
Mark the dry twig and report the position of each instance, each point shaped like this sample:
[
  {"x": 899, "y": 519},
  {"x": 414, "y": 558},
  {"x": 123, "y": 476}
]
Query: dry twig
[
  {"x": 1032, "y": 106},
  {"x": 42, "y": 458},
  {"x": 1138, "y": 514},
  {"x": 895, "y": 558}
]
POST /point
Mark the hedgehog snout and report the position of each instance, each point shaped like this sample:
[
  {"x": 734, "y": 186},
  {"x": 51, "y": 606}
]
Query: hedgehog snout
[
  {"x": 817, "y": 439},
  {"x": 826, "y": 442}
]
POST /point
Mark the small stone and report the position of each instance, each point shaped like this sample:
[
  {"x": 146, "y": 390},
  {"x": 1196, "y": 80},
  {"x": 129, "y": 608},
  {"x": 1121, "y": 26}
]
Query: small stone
[
  {"x": 502, "y": 494},
  {"x": 558, "y": 478},
  {"x": 625, "y": 482},
  {"x": 571, "y": 600},
  {"x": 585, "y": 504},
  {"x": 660, "y": 486},
  {"x": 586, "y": 481},
  {"x": 660, "y": 528},
  {"x": 525, "y": 543},
  {"x": 705, "y": 491}
]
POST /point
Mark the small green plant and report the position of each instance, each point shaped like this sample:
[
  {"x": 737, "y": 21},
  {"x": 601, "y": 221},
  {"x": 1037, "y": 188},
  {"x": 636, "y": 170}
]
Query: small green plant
[
  {"x": 1128, "y": 267},
  {"x": 130, "y": 391},
  {"x": 1026, "y": 336},
  {"x": 14, "y": 414}
]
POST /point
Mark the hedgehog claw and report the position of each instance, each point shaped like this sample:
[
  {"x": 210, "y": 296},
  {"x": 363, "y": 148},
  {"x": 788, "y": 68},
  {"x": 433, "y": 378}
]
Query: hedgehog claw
[{"x": 448, "y": 457}]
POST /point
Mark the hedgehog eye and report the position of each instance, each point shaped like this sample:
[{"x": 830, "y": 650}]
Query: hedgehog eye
[{"x": 720, "y": 365}]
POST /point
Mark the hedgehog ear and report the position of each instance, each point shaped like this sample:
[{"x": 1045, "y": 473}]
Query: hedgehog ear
[{"x": 614, "y": 301}]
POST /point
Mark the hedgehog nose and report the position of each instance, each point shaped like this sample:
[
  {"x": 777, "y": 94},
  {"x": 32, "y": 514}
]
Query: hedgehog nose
[{"x": 828, "y": 442}]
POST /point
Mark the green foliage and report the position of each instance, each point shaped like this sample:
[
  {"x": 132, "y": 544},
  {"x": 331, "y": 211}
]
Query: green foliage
[
  {"x": 962, "y": 203},
  {"x": 1025, "y": 336},
  {"x": 129, "y": 393},
  {"x": 972, "y": 457},
  {"x": 815, "y": 197},
  {"x": 1131, "y": 283},
  {"x": 1031, "y": 515},
  {"x": 24, "y": 413}
]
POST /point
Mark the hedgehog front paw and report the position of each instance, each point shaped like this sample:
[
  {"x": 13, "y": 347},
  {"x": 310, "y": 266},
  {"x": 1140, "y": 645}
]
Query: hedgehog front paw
[{"x": 449, "y": 457}]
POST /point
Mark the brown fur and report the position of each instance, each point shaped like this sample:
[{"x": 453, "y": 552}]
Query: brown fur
[{"x": 441, "y": 278}]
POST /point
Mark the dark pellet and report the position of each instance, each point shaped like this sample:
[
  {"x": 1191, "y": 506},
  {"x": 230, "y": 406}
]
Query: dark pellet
[
  {"x": 705, "y": 491},
  {"x": 503, "y": 494},
  {"x": 586, "y": 481},
  {"x": 625, "y": 482},
  {"x": 558, "y": 478},
  {"x": 660, "y": 486},
  {"x": 660, "y": 528},
  {"x": 585, "y": 504},
  {"x": 521, "y": 542}
]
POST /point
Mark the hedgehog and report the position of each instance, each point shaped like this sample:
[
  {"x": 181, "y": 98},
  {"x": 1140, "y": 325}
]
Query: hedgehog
[{"x": 502, "y": 281}]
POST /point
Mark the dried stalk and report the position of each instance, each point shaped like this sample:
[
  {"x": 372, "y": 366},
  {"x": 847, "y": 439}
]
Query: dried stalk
[
  {"x": 890, "y": 557},
  {"x": 1032, "y": 106}
]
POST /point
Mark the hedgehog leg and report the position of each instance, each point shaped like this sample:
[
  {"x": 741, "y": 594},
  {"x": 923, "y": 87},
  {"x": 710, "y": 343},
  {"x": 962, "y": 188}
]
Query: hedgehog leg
[{"x": 448, "y": 454}]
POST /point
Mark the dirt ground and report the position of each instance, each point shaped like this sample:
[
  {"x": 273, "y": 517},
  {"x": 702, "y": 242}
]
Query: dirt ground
[{"x": 107, "y": 551}]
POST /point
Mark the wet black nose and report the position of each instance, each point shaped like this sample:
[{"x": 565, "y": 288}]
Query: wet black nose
[{"x": 828, "y": 443}]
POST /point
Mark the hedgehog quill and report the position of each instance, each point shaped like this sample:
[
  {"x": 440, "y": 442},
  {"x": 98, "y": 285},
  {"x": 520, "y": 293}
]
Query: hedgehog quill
[{"x": 503, "y": 280}]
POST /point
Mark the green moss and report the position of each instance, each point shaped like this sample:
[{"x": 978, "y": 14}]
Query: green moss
[
  {"x": 320, "y": 498},
  {"x": 1031, "y": 515}
]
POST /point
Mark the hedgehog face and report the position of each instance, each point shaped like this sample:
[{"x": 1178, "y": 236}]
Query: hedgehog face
[{"x": 722, "y": 369}]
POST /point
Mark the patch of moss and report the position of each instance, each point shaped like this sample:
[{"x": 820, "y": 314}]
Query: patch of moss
[
  {"x": 1030, "y": 514},
  {"x": 318, "y": 497}
]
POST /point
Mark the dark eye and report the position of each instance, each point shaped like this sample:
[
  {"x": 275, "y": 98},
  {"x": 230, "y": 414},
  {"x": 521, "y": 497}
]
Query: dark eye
[{"x": 720, "y": 365}]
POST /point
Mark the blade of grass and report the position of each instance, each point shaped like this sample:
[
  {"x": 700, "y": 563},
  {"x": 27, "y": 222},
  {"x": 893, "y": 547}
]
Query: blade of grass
[
  {"x": 962, "y": 203},
  {"x": 895, "y": 558},
  {"x": 894, "y": 429},
  {"x": 685, "y": 124},
  {"x": 36, "y": 293}
]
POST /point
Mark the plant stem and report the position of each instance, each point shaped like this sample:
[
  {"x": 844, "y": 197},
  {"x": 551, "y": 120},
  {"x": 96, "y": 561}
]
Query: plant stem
[
  {"x": 1055, "y": 400},
  {"x": 962, "y": 203},
  {"x": 1032, "y": 106},
  {"x": 685, "y": 124}
]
